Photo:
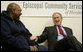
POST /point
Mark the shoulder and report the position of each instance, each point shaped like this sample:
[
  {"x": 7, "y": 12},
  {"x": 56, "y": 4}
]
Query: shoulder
[
  {"x": 49, "y": 27},
  {"x": 3, "y": 20},
  {"x": 2, "y": 17},
  {"x": 67, "y": 28}
]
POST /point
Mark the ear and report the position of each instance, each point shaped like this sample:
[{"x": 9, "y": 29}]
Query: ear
[
  {"x": 62, "y": 18},
  {"x": 13, "y": 11}
]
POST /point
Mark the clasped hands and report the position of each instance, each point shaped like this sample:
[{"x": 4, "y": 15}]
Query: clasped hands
[
  {"x": 33, "y": 38},
  {"x": 33, "y": 48}
]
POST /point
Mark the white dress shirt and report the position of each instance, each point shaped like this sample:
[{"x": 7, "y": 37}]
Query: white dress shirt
[{"x": 59, "y": 35}]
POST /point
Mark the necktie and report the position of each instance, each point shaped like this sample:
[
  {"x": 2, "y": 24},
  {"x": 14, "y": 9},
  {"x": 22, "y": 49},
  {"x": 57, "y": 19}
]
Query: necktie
[{"x": 61, "y": 31}]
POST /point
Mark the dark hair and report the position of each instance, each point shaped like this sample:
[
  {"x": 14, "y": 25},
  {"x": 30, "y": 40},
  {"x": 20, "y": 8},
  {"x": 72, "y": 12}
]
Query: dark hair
[{"x": 11, "y": 6}]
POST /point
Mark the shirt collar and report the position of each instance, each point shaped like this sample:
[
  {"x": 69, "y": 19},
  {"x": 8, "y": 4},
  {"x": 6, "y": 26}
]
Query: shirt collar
[{"x": 57, "y": 26}]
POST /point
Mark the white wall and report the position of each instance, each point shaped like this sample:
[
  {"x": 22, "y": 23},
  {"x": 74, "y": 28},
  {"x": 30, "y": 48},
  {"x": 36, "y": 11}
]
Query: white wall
[{"x": 36, "y": 24}]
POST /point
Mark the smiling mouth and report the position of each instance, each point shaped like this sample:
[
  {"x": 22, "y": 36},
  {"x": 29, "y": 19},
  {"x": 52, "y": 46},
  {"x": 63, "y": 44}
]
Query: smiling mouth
[{"x": 56, "y": 21}]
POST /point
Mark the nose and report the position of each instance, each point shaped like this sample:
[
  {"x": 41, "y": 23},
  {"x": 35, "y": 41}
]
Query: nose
[
  {"x": 20, "y": 13},
  {"x": 56, "y": 19}
]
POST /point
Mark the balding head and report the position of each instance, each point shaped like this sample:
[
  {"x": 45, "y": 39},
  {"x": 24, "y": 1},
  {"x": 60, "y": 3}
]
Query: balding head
[
  {"x": 14, "y": 11},
  {"x": 12, "y": 6}
]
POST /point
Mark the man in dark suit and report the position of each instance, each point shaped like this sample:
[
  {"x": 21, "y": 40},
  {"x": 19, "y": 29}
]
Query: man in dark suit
[
  {"x": 59, "y": 38},
  {"x": 14, "y": 35}
]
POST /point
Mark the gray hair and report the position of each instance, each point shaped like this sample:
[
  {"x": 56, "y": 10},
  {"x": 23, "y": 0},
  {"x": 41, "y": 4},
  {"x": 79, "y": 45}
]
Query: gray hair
[{"x": 57, "y": 13}]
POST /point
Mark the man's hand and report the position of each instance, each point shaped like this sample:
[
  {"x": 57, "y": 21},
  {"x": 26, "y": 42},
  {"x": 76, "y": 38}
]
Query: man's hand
[
  {"x": 33, "y": 48},
  {"x": 33, "y": 38}
]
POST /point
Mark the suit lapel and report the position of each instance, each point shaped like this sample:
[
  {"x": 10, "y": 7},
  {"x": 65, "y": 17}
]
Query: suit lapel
[
  {"x": 66, "y": 30},
  {"x": 55, "y": 31}
]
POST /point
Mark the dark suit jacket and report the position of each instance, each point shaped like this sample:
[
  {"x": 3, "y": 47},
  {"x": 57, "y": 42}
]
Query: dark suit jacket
[{"x": 51, "y": 34}]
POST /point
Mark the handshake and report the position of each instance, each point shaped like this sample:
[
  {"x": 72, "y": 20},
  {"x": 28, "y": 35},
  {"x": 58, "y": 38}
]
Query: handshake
[
  {"x": 33, "y": 38},
  {"x": 33, "y": 48}
]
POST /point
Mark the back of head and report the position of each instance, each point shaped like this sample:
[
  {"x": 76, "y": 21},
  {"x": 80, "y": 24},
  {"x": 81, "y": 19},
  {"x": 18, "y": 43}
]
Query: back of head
[{"x": 11, "y": 6}]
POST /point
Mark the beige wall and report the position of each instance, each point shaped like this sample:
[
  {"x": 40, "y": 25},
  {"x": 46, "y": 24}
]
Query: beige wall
[{"x": 36, "y": 24}]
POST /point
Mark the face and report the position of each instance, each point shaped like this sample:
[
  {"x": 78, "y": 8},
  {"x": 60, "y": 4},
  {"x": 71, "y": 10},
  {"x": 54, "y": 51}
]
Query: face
[
  {"x": 17, "y": 13},
  {"x": 57, "y": 19}
]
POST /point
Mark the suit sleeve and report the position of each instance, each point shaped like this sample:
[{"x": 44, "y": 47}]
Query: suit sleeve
[
  {"x": 19, "y": 41},
  {"x": 31, "y": 42},
  {"x": 43, "y": 36}
]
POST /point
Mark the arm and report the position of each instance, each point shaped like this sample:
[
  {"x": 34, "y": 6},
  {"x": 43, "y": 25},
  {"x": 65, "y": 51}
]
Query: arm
[
  {"x": 43, "y": 36},
  {"x": 40, "y": 38},
  {"x": 10, "y": 39},
  {"x": 28, "y": 34}
]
